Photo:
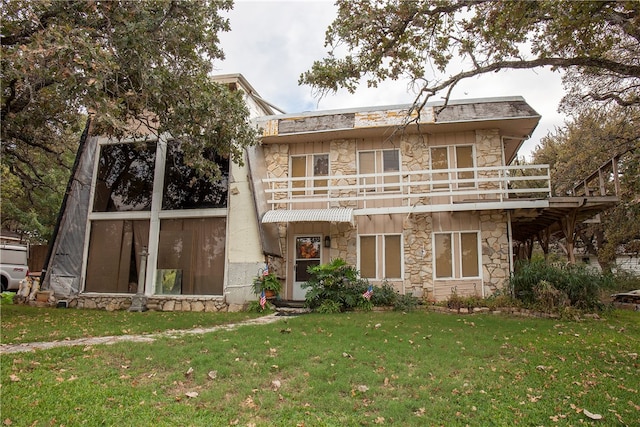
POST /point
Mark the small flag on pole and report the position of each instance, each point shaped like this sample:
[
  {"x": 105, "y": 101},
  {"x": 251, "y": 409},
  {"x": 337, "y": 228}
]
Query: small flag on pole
[
  {"x": 368, "y": 293},
  {"x": 263, "y": 299}
]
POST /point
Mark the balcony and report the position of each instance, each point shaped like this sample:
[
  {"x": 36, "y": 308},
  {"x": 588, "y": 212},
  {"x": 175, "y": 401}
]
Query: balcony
[{"x": 479, "y": 188}]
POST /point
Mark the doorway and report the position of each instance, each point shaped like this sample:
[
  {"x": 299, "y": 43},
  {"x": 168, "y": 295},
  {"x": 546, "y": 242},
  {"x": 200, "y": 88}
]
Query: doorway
[{"x": 308, "y": 254}]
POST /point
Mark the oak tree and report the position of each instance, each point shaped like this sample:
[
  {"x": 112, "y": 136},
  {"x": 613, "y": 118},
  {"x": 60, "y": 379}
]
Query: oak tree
[
  {"x": 596, "y": 43},
  {"x": 146, "y": 63}
]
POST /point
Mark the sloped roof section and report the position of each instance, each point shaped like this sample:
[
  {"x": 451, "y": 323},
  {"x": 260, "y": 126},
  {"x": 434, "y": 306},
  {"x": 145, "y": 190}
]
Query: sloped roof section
[{"x": 309, "y": 215}]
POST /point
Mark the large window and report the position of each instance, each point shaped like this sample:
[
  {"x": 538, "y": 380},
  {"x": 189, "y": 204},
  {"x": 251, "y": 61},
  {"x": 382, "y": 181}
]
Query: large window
[
  {"x": 381, "y": 256},
  {"x": 184, "y": 188},
  {"x": 125, "y": 177},
  {"x": 381, "y": 167},
  {"x": 115, "y": 248},
  {"x": 456, "y": 255},
  {"x": 453, "y": 157},
  {"x": 191, "y": 256},
  {"x": 314, "y": 166},
  {"x": 141, "y": 203}
]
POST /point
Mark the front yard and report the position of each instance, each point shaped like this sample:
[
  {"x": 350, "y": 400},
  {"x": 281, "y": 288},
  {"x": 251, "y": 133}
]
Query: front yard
[{"x": 350, "y": 369}]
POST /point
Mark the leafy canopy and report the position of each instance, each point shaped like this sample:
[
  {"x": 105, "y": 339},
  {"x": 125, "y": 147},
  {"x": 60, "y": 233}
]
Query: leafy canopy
[
  {"x": 596, "y": 43},
  {"x": 579, "y": 148},
  {"x": 137, "y": 67}
]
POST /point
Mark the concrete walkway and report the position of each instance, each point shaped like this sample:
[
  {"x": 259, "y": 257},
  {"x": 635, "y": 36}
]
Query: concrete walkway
[{"x": 33, "y": 346}]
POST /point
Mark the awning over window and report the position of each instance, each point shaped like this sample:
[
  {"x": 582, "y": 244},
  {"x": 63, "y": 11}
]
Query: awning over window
[{"x": 309, "y": 215}]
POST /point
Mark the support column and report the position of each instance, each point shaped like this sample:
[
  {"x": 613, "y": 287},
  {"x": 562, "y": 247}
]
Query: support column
[{"x": 569, "y": 231}]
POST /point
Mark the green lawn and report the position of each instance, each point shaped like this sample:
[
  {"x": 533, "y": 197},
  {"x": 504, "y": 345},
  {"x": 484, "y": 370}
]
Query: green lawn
[{"x": 365, "y": 368}]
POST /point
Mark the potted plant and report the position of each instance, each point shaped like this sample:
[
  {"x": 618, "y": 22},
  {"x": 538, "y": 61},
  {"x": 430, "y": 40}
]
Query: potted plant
[{"x": 268, "y": 283}]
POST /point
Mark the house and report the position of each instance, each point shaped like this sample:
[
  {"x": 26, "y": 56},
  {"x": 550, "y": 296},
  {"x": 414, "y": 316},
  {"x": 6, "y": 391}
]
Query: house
[{"x": 426, "y": 201}]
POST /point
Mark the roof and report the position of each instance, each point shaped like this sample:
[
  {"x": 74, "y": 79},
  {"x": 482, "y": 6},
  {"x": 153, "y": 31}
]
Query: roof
[{"x": 515, "y": 119}]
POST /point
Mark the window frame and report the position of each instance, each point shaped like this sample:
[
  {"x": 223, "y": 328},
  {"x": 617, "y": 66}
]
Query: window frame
[
  {"x": 452, "y": 164},
  {"x": 155, "y": 215},
  {"x": 457, "y": 256},
  {"x": 309, "y": 182},
  {"x": 380, "y": 255},
  {"x": 381, "y": 182}
]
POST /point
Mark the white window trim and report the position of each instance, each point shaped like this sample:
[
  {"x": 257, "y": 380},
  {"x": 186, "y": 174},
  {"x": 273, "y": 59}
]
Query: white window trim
[
  {"x": 309, "y": 180},
  {"x": 379, "y": 174},
  {"x": 380, "y": 255},
  {"x": 456, "y": 254}
]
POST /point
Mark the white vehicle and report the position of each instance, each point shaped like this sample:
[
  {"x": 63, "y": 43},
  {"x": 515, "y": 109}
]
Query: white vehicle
[{"x": 13, "y": 266}]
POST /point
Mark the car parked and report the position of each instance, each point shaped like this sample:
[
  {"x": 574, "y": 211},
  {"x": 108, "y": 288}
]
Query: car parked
[{"x": 13, "y": 266}]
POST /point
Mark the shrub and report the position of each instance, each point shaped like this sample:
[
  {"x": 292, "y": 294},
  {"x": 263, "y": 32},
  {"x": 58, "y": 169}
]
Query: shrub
[
  {"x": 580, "y": 285},
  {"x": 7, "y": 297},
  {"x": 337, "y": 282},
  {"x": 384, "y": 295},
  {"x": 406, "y": 302}
]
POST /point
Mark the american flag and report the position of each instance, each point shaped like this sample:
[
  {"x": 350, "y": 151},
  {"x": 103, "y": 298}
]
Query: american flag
[
  {"x": 263, "y": 299},
  {"x": 368, "y": 293}
]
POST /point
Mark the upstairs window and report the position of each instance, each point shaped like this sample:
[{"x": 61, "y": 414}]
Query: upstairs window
[
  {"x": 376, "y": 163},
  {"x": 314, "y": 166},
  {"x": 125, "y": 177},
  {"x": 184, "y": 188},
  {"x": 453, "y": 157}
]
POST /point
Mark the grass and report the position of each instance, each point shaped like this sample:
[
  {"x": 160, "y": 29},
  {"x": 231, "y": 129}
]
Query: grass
[
  {"x": 22, "y": 324},
  {"x": 352, "y": 369}
]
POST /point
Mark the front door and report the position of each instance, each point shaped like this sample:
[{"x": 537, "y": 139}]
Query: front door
[{"x": 308, "y": 250}]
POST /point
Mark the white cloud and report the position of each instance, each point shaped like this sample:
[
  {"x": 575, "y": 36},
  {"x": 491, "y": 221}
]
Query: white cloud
[{"x": 272, "y": 42}]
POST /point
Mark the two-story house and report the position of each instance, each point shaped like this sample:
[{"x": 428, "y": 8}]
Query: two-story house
[
  {"x": 423, "y": 202},
  {"x": 427, "y": 201}
]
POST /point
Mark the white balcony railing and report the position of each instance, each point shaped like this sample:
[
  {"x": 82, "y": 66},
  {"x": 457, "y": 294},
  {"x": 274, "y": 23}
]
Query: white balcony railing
[{"x": 405, "y": 188}]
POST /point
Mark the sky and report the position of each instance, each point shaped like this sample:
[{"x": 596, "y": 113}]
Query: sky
[{"x": 272, "y": 42}]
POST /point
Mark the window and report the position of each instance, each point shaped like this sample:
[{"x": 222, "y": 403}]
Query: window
[
  {"x": 375, "y": 164},
  {"x": 456, "y": 255},
  {"x": 185, "y": 189},
  {"x": 310, "y": 166},
  {"x": 453, "y": 157},
  {"x": 381, "y": 256},
  {"x": 128, "y": 216},
  {"x": 114, "y": 255},
  {"x": 124, "y": 181},
  {"x": 194, "y": 249}
]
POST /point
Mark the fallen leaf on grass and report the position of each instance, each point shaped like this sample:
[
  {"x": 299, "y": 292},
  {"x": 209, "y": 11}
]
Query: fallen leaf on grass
[
  {"x": 189, "y": 372},
  {"x": 592, "y": 415},
  {"x": 212, "y": 375},
  {"x": 191, "y": 394},
  {"x": 14, "y": 378},
  {"x": 275, "y": 384}
]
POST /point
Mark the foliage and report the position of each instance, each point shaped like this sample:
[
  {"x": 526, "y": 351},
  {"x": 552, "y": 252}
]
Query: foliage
[
  {"x": 338, "y": 282},
  {"x": 543, "y": 283},
  {"x": 412, "y": 369},
  {"x": 595, "y": 43},
  {"x": 255, "y": 307},
  {"x": 137, "y": 67},
  {"x": 7, "y": 297},
  {"x": 266, "y": 282},
  {"x": 337, "y": 286},
  {"x": 578, "y": 149}
]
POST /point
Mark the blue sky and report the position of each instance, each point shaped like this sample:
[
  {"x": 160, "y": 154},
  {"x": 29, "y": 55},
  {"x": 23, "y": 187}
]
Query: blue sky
[{"x": 272, "y": 42}]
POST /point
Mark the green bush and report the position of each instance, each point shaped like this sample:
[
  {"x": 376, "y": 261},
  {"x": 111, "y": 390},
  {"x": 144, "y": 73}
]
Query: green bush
[
  {"x": 534, "y": 283},
  {"x": 337, "y": 282},
  {"x": 7, "y": 297},
  {"x": 337, "y": 286}
]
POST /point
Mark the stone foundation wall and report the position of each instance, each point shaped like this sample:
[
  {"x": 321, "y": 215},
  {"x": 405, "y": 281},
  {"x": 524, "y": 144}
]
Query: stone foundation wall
[{"x": 123, "y": 302}]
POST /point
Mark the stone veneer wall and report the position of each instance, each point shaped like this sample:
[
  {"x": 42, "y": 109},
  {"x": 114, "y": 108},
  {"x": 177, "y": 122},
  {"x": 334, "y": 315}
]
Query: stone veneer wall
[
  {"x": 123, "y": 302},
  {"x": 495, "y": 250},
  {"x": 418, "y": 256}
]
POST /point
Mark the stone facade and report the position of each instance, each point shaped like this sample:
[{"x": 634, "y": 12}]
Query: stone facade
[{"x": 113, "y": 303}]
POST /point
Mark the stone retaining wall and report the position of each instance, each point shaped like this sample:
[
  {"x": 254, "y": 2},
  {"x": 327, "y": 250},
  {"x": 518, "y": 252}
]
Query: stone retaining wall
[{"x": 123, "y": 302}]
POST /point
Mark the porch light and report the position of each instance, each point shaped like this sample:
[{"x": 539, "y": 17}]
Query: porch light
[{"x": 327, "y": 241}]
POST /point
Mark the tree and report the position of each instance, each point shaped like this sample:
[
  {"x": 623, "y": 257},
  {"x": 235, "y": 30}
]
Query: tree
[
  {"x": 596, "y": 43},
  {"x": 131, "y": 65},
  {"x": 581, "y": 147}
]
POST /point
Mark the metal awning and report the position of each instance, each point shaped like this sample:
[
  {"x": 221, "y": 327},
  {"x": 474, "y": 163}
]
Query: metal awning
[{"x": 309, "y": 215}]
